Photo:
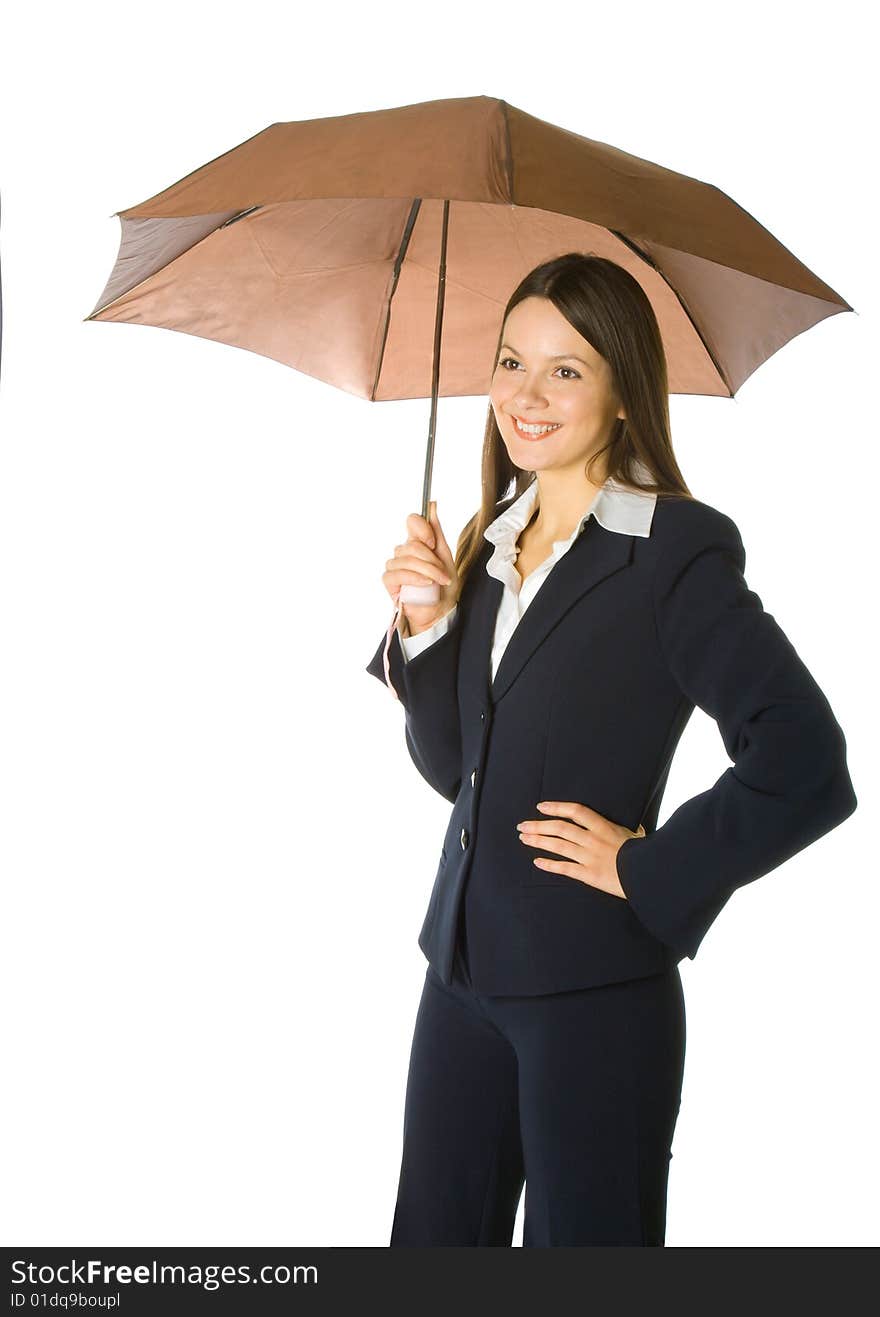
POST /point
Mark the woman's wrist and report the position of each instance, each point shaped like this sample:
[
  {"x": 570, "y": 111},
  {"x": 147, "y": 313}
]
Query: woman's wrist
[{"x": 417, "y": 631}]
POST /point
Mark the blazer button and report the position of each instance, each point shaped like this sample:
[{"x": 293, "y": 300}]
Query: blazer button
[
  {"x": 473, "y": 776},
  {"x": 482, "y": 715},
  {"x": 464, "y": 839}
]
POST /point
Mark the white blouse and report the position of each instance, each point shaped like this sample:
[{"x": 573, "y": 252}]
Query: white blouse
[{"x": 617, "y": 507}]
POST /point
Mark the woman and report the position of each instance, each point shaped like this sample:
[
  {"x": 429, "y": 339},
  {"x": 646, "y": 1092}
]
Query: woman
[{"x": 579, "y": 624}]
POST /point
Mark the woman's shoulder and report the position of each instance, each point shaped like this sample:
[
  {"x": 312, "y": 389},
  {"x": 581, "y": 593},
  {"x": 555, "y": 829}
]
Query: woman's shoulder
[{"x": 678, "y": 519}]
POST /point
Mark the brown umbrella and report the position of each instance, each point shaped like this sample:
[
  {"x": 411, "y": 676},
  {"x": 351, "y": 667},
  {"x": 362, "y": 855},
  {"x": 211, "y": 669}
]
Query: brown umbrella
[{"x": 322, "y": 243}]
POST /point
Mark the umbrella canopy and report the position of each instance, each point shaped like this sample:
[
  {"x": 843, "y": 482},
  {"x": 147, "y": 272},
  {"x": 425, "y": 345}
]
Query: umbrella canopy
[{"x": 318, "y": 243}]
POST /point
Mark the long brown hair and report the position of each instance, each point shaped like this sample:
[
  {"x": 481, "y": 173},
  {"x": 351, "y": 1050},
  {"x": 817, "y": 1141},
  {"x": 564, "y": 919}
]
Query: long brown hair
[{"x": 610, "y": 309}]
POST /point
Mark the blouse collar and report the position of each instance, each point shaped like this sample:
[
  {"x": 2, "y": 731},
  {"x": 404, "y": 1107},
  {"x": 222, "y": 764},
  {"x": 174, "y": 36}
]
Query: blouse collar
[{"x": 616, "y": 507}]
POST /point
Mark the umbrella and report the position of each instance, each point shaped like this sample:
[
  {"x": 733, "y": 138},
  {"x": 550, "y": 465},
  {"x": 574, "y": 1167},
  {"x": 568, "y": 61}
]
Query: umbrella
[{"x": 337, "y": 245}]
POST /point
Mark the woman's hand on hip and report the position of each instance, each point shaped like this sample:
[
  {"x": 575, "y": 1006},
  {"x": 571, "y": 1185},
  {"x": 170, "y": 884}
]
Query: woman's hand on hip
[{"x": 588, "y": 841}]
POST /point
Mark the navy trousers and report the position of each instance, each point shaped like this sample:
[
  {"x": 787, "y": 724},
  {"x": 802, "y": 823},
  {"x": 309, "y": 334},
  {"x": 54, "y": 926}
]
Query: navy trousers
[{"x": 575, "y": 1094}]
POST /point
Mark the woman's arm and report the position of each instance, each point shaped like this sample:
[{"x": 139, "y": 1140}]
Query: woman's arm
[
  {"x": 789, "y": 782},
  {"x": 427, "y": 684}
]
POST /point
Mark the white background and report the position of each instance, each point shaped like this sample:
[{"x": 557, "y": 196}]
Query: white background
[{"x": 216, "y": 852}]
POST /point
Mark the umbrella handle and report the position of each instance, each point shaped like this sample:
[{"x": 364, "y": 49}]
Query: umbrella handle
[{"x": 420, "y": 594}]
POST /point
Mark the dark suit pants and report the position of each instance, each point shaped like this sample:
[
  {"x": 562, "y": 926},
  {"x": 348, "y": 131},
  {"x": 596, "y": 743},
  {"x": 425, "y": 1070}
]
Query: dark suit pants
[{"x": 574, "y": 1093}]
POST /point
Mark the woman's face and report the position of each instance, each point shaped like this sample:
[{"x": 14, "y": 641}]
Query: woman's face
[{"x": 547, "y": 373}]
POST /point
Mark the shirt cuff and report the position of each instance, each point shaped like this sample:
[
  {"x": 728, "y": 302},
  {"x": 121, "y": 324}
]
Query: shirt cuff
[{"x": 412, "y": 645}]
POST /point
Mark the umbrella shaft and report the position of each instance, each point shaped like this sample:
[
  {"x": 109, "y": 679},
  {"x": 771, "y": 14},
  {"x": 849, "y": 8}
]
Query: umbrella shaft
[{"x": 435, "y": 378}]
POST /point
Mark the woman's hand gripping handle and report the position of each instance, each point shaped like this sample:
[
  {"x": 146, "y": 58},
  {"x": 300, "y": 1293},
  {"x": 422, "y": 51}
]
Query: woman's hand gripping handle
[{"x": 421, "y": 578}]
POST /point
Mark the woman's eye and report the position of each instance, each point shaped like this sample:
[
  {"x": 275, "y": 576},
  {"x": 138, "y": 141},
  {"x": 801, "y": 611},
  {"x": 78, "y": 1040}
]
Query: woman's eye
[{"x": 512, "y": 360}]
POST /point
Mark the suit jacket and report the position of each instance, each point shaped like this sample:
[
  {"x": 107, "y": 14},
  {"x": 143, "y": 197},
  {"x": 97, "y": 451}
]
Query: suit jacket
[{"x": 597, "y": 683}]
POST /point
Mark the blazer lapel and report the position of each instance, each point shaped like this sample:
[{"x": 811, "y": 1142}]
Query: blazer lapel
[{"x": 595, "y": 555}]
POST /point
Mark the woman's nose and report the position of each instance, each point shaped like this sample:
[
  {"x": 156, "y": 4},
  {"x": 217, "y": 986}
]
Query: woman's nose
[{"x": 529, "y": 395}]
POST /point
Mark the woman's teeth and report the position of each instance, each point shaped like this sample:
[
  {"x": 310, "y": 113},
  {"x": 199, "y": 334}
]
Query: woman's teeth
[{"x": 533, "y": 430}]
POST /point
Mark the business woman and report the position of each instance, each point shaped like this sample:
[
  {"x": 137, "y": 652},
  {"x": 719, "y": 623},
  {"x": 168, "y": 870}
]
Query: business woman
[{"x": 581, "y": 620}]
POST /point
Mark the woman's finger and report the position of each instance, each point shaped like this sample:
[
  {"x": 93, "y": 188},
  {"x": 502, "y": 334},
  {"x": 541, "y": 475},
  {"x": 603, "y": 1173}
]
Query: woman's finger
[
  {"x": 442, "y": 548},
  {"x": 415, "y": 563},
  {"x": 557, "y": 828},
  {"x": 393, "y": 580},
  {"x": 571, "y": 850},
  {"x": 583, "y": 815},
  {"x": 420, "y": 529},
  {"x": 416, "y": 549}
]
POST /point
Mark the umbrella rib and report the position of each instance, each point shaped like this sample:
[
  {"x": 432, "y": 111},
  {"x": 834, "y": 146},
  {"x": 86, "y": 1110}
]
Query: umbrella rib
[
  {"x": 643, "y": 256},
  {"x": 235, "y": 218},
  {"x": 508, "y": 155},
  {"x": 398, "y": 263}
]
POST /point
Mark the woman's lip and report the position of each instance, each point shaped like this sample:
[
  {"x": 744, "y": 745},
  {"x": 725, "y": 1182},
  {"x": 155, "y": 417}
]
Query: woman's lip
[{"x": 534, "y": 437}]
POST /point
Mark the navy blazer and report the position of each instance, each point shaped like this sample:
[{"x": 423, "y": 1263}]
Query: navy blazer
[{"x": 624, "y": 638}]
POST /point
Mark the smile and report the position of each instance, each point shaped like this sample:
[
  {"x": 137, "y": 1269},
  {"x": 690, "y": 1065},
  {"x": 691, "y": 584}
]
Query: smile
[{"x": 533, "y": 431}]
